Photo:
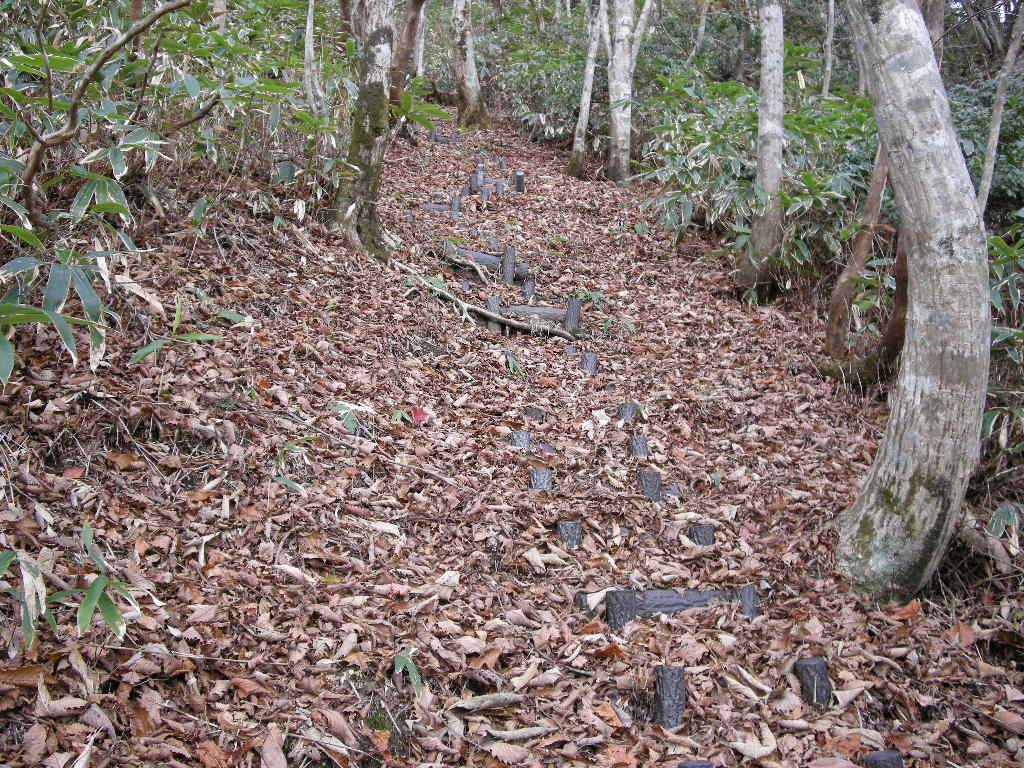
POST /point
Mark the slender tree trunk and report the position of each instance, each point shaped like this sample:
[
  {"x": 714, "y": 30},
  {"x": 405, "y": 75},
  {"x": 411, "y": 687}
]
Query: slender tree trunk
[
  {"x": 830, "y": 31},
  {"x": 743, "y": 33},
  {"x": 311, "y": 67},
  {"x": 472, "y": 111},
  {"x": 701, "y": 27},
  {"x": 405, "y": 48},
  {"x": 989, "y": 164},
  {"x": 578, "y": 158},
  {"x": 356, "y": 202},
  {"x": 220, "y": 15},
  {"x": 620, "y": 90},
  {"x": 360, "y": 19},
  {"x": 895, "y": 534},
  {"x": 421, "y": 28},
  {"x": 637, "y": 38},
  {"x": 345, "y": 10},
  {"x": 838, "y": 330},
  {"x": 766, "y": 229}
]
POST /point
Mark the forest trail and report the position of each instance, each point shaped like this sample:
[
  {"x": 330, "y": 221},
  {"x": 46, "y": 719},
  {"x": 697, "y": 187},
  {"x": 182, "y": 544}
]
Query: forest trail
[{"x": 284, "y": 564}]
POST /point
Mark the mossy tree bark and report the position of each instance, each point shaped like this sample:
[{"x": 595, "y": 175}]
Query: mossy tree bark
[
  {"x": 766, "y": 230},
  {"x": 578, "y": 158},
  {"x": 472, "y": 111},
  {"x": 895, "y": 534},
  {"x": 356, "y": 201}
]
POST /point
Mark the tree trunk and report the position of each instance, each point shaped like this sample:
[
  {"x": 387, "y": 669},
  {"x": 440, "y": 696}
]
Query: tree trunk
[
  {"x": 356, "y": 202},
  {"x": 406, "y": 46},
  {"x": 578, "y": 158},
  {"x": 345, "y": 10},
  {"x": 893, "y": 537},
  {"x": 701, "y": 28},
  {"x": 743, "y": 32},
  {"x": 989, "y": 164},
  {"x": 837, "y": 331},
  {"x": 766, "y": 230},
  {"x": 311, "y": 67},
  {"x": 625, "y": 41},
  {"x": 421, "y": 28},
  {"x": 830, "y": 31},
  {"x": 472, "y": 111},
  {"x": 220, "y": 15}
]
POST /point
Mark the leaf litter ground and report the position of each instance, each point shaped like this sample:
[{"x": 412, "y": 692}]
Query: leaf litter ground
[{"x": 287, "y": 550}]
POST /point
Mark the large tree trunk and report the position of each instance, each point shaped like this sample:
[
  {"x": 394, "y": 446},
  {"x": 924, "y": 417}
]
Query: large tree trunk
[
  {"x": 766, "y": 230},
  {"x": 356, "y": 202},
  {"x": 578, "y": 158},
  {"x": 620, "y": 90},
  {"x": 406, "y": 46},
  {"x": 830, "y": 31},
  {"x": 345, "y": 11},
  {"x": 895, "y": 534},
  {"x": 311, "y": 67},
  {"x": 989, "y": 164},
  {"x": 701, "y": 28},
  {"x": 837, "y": 332},
  {"x": 472, "y": 111}
]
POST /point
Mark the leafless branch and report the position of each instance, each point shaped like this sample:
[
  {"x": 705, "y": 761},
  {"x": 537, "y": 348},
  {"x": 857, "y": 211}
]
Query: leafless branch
[{"x": 65, "y": 132}]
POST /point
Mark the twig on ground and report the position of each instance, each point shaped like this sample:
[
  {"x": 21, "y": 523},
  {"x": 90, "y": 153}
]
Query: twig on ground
[{"x": 466, "y": 308}]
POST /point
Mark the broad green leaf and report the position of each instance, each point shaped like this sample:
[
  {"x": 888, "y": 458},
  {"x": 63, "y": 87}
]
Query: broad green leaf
[
  {"x": 231, "y": 315},
  {"x": 110, "y": 207},
  {"x": 21, "y": 264},
  {"x": 26, "y": 235},
  {"x": 6, "y": 558},
  {"x": 87, "y": 607},
  {"x": 197, "y": 337},
  {"x": 404, "y": 663},
  {"x": 117, "y": 162},
  {"x": 28, "y": 625},
  {"x": 191, "y": 85},
  {"x": 17, "y": 314},
  {"x": 91, "y": 301},
  {"x": 64, "y": 331},
  {"x": 148, "y": 350},
  {"x": 290, "y": 484},
  {"x": 112, "y": 616},
  {"x": 92, "y": 550},
  {"x": 57, "y": 287},
  {"x": 81, "y": 202}
]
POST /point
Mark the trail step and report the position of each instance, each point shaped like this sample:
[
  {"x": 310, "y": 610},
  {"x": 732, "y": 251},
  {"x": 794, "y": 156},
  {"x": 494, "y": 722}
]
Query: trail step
[
  {"x": 529, "y": 287},
  {"x": 573, "y": 315},
  {"x": 520, "y": 438},
  {"x": 627, "y": 412},
  {"x": 541, "y": 479},
  {"x": 533, "y": 412},
  {"x": 624, "y": 605},
  {"x": 669, "y": 696},
  {"x": 570, "y": 532},
  {"x": 638, "y": 447},
  {"x": 701, "y": 534},
  {"x": 814, "y": 683},
  {"x": 589, "y": 362},
  {"x": 750, "y": 604},
  {"x": 649, "y": 483},
  {"x": 887, "y": 758}
]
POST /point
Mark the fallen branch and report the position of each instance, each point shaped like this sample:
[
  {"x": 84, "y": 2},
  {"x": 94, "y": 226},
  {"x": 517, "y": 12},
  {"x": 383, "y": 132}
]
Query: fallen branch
[{"x": 465, "y": 308}]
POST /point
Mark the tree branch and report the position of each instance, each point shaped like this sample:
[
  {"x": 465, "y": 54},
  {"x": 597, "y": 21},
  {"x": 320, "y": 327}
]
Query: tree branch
[{"x": 39, "y": 148}]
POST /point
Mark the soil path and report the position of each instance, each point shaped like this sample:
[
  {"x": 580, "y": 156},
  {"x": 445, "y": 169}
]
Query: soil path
[{"x": 344, "y": 483}]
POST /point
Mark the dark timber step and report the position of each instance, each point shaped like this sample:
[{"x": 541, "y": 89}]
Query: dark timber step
[
  {"x": 624, "y": 605},
  {"x": 589, "y": 362},
  {"x": 814, "y": 683},
  {"x": 669, "y": 696},
  {"x": 534, "y": 413},
  {"x": 627, "y": 412},
  {"x": 541, "y": 479},
  {"x": 638, "y": 447},
  {"x": 885, "y": 759},
  {"x": 570, "y": 532},
  {"x": 649, "y": 483},
  {"x": 520, "y": 438},
  {"x": 701, "y": 534}
]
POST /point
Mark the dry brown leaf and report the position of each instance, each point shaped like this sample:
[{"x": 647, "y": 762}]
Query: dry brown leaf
[
  {"x": 1011, "y": 721},
  {"x": 211, "y": 755},
  {"x": 26, "y": 676},
  {"x": 488, "y": 701},
  {"x": 510, "y": 754},
  {"x": 33, "y": 744},
  {"x": 272, "y": 751},
  {"x": 756, "y": 749},
  {"x": 248, "y": 687}
]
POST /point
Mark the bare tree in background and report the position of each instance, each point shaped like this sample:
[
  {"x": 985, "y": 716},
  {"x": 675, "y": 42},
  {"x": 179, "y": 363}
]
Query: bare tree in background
[
  {"x": 472, "y": 111},
  {"x": 578, "y": 158}
]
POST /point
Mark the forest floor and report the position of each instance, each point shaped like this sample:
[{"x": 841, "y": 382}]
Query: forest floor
[{"x": 327, "y": 587}]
